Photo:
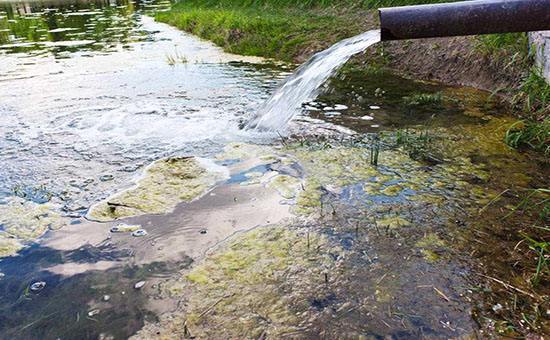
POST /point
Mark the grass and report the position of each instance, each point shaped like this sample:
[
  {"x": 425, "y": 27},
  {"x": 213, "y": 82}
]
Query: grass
[
  {"x": 534, "y": 94},
  {"x": 311, "y": 3},
  {"x": 530, "y": 133},
  {"x": 511, "y": 48},
  {"x": 533, "y": 102},
  {"x": 277, "y": 33},
  {"x": 541, "y": 248}
]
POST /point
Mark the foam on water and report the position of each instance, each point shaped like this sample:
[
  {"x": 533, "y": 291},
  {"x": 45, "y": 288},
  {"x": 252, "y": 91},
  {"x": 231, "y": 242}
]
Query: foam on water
[{"x": 304, "y": 84}]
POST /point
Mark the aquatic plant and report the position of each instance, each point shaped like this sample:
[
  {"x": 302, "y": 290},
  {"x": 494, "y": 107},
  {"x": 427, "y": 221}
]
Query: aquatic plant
[
  {"x": 24, "y": 222},
  {"x": 418, "y": 144},
  {"x": 239, "y": 285},
  {"x": 375, "y": 151},
  {"x": 176, "y": 58},
  {"x": 421, "y": 99}
]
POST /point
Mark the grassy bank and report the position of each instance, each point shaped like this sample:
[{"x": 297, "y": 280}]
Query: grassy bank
[{"x": 284, "y": 33}]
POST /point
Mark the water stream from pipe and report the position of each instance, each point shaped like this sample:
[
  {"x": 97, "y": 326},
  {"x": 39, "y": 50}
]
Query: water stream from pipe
[{"x": 304, "y": 84}]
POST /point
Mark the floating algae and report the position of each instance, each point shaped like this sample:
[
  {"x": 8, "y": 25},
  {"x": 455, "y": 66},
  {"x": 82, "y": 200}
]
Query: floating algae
[
  {"x": 237, "y": 289},
  {"x": 428, "y": 245},
  {"x": 164, "y": 184},
  {"x": 393, "y": 222},
  {"x": 309, "y": 200},
  {"x": 9, "y": 246},
  {"x": 243, "y": 151},
  {"x": 22, "y": 221},
  {"x": 286, "y": 186},
  {"x": 337, "y": 165}
]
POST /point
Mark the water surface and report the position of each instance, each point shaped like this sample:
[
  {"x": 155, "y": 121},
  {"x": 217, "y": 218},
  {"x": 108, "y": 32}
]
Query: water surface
[{"x": 89, "y": 93}]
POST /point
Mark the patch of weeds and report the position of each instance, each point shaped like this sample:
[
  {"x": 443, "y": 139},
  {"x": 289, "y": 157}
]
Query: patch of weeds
[
  {"x": 176, "y": 58},
  {"x": 418, "y": 144},
  {"x": 534, "y": 93},
  {"x": 508, "y": 48},
  {"x": 422, "y": 99},
  {"x": 529, "y": 133},
  {"x": 375, "y": 151},
  {"x": 536, "y": 199},
  {"x": 541, "y": 248}
]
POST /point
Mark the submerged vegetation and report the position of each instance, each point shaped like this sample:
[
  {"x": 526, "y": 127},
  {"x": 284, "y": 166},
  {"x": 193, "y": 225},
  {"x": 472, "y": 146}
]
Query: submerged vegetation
[{"x": 424, "y": 99}]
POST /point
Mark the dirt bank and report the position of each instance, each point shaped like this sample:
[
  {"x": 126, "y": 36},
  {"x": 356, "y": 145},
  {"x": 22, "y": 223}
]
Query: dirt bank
[{"x": 453, "y": 61}]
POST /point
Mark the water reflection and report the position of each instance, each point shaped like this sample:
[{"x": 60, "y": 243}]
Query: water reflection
[{"x": 69, "y": 26}]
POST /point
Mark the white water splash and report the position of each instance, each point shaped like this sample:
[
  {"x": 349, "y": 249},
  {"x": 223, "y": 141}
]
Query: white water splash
[{"x": 303, "y": 85}]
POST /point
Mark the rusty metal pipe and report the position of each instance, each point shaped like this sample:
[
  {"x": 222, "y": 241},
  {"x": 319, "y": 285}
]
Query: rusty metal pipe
[{"x": 464, "y": 18}]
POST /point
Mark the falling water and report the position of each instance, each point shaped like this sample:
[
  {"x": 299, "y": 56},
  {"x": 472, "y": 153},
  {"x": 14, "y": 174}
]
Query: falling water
[{"x": 303, "y": 85}]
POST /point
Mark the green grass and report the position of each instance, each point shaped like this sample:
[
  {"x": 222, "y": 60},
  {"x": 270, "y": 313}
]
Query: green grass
[
  {"x": 534, "y": 93},
  {"x": 280, "y": 34},
  {"x": 310, "y": 3},
  {"x": 510, "y": 48},
  {"x": 531, "y": 134},
  {"x": 533, "y": 104}
]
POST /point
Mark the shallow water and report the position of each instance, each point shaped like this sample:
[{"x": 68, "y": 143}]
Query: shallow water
[
  {"x": 78, "y": 121},
  {"x": 306, "y": 82},
  {"x": 82, "y": 120}
]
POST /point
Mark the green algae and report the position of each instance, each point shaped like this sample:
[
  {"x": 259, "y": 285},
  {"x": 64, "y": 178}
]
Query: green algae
[
  {"x": 164, "y": 184},
  {"x": 9, "y": 246},
  {"x": 337, "y": 166},
  {"x": 428, "y": 246},
  {"x": 309, "y": 199},
  {"x": 286, "y": 186},
  {"x": 430, "y": 240},
  {"x": 430, "y": 255},
  {"x": 240, "y": 281},
  {"x": 243, "y": 151},
  {"x": 392, "y": 222},
  {"x": 23, "y": 222},
  {"x": 392, "y": 190}
]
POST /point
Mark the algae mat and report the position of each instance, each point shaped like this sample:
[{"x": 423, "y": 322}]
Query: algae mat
[
  {"x": 23, "y": 222},
  {"x": 164, "y": 184}
]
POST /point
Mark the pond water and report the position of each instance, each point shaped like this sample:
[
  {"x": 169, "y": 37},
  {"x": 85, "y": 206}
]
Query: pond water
[{"x": 93, "y": 92}]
